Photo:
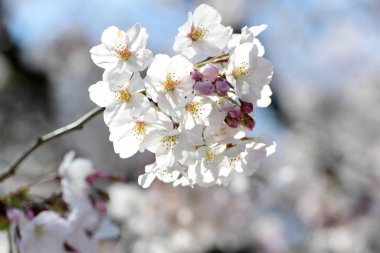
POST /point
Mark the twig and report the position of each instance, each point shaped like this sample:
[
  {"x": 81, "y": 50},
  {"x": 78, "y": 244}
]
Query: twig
[
  {"x": 10, "y": 241},
  {"x": 76, "y": 125},
  {"x": 216, "y": 59}
]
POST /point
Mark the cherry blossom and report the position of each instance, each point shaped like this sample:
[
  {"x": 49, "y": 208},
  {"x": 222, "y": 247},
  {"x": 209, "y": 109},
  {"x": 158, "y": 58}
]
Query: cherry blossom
[
  {"x": 123, "y": 50},
  {"x": 203, "y": 33},
  {"x": 119, "y": 94}
]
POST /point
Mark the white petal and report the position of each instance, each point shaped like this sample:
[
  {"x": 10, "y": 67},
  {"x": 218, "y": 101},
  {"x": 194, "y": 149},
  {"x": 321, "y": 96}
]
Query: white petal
[
  {"x": 100, "y": 94},
  {"x": 146, "y": 180}
]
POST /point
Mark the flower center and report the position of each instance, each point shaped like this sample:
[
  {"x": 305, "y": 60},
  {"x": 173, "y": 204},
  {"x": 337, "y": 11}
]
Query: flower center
[
  {"x": 123, "y": 52},
  {"x": 234, "y": 160},
  {"x": 170, "y": 82},
  {"x": 169, "y": 142},
  {"x": 140, "y": 130},
  {"x": 241, "y": 71},
  {"x": 209, "y": 156},
  {"x": 39, "y": 230},
  {"x": 194, "y": 108},
  {"x": 197, "y": 33},
  {"x": 123, "y": 96}
]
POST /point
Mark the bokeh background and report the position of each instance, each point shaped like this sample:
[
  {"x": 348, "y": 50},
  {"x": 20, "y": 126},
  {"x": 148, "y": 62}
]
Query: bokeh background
[{"x": 319, "y": 193}]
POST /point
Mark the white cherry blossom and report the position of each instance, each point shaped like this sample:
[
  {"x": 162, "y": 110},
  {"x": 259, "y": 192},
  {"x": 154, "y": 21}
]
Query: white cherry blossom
[
  {"x": 249, "y": 73},
  {"x": 205, "y": 171},
  {"x": 120, "y": 94},
  {"x": 46, "y": 233},
  {"x": 173, "y": 145},
  {"x": 245, "y": 157},
  {"x": 127, "y": 134},
  {"x": 248, "y": 35},
  {"x": 75, "y": 189},
  {"x": 166, "y": 175},
  {"x": 202, "y": 33},
  {"x": 123, "y": 50},
  {"x": 169, "y": 81}
]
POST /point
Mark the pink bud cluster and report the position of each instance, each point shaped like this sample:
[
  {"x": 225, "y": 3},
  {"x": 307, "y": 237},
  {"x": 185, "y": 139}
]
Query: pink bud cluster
[{"x": 208, "y": 81}]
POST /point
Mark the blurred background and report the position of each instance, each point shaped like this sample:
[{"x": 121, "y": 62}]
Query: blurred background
[{"x": 320, "y": 192}]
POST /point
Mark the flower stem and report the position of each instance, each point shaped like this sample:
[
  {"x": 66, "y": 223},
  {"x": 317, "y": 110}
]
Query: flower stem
[
  {"x": 216, "y": 59},
  {"x": 76, "y": 125}
]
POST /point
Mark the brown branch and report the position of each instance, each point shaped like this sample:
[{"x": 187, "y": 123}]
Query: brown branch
[
  {"x": 216, "y": 59},
  {"x": 76, "y": 125}
]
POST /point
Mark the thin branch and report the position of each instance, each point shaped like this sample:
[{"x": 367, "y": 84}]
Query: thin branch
[
  {"x": 216, "y": 59},
  {"x": 76, "y": 125}
]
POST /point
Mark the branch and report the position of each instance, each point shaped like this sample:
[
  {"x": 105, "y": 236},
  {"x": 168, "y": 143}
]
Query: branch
[
  {"x": 216, "y": 59},
  {"x": 76, "y": 125}
]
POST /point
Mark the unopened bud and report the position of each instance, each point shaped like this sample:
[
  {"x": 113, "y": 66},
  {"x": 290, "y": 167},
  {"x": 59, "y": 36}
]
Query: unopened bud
[
  {"x": 222, "y": 86},
  {"x": 249, "y": 123},
  {"x": 203, "y": 88},
  {"x": 100, "y": 206},
  {"x": 98, "y": 175},
  {"x": 231, "y": 122},
  {"x": 13, "y": 214},
  {"x": 224, "y": 105},
  {"x": 246, "y": 107},
  {"x": 210, "y": 73},
  {"x": 236, "y": 113},
  {"x": 196, "y": 75}
]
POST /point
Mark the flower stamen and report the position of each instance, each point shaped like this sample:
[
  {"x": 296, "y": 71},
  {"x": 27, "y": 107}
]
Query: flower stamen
[
  {"x": 197, "y": 33},
  {"x": 170, "y": 82}
]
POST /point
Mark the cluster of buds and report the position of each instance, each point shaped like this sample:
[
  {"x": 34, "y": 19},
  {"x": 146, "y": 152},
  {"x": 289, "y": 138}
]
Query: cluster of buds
[
  {"x": 66, "y": 221},
  {"x": 193, "y": 110}
]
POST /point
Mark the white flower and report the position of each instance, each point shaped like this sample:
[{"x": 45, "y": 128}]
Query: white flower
[
  {"x": 173, "y": 145},
  {"x": 205, "y": 171},
  {"x": 248, "y": 35},
  {"x": 196, "y": 111},
  {"x": 127, "y": 134},
  {"x": 168, "y": 81},
  {"x": 166, "y": 175},
  {"x": 249, "y": 74},
  {"x": 123, "y": 50},
  {"x": 245, "y": 157},
  {"x": 119, "y": 94},
  {"x": 202, "y": 33},
  {"x": 222, "y": 134},
  {"x": 46, "y": 233},
  {"x": 73, "y": 174},
  {"x": 81, "y": 238}
]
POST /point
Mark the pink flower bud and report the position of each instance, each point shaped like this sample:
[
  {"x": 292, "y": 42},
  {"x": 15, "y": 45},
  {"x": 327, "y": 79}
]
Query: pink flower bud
[
  {"x": 100, "y": 206},
  {"x": 222, "y": 86},
  {"x": 210, "y": 73},
  {"x": 203, "y": 88},
  {"x": 13, "y": 214},
  {"x": 246, "y": 107},
  {"x": 249, "y": 123},
  {"x": 231, "y": 122},
  {"x": 236, "y": 113},
  {"x": 196, "y": 75},
  {"x": 224, "y": 105},
  {"x": 29, "y": 214}
]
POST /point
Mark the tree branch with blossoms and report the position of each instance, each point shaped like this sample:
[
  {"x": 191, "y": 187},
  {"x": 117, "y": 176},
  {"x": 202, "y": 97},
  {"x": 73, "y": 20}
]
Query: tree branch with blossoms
[
  {"x": 76, "y": 125},
  {"x": 194, "y": 111}
]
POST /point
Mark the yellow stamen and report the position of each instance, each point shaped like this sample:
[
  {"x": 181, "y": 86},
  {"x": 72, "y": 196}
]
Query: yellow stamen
[
  {"x": 194, "y": 108},
  {"x": 209, "y": 156},
  {"x": 39, "y": 231},
  {"x": 197, "y": 33},
  {"x": 123, "y": 96},
  {"x": 241, "y": 71},
  {"x": 169, "y": 142},
  {"x": 170, "y": 82},
  {"x": 140, "y": 130}
]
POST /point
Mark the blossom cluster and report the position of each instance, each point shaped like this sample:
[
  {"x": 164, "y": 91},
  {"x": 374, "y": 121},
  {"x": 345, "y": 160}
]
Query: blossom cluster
[
  {"x": 72, "y": 220},
  {"x": 194, "y": 110}
]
